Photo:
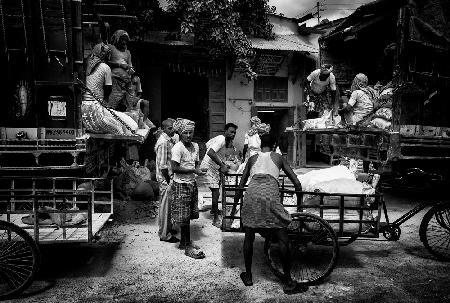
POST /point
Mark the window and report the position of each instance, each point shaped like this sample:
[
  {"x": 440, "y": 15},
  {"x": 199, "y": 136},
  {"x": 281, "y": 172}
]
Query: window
[{"x": 271, "y": 89}]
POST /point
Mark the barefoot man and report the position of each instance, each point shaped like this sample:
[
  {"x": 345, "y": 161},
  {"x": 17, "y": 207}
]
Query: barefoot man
[
  {"x": 214, "y": 165},
  {"x": 262, "y": 210}
]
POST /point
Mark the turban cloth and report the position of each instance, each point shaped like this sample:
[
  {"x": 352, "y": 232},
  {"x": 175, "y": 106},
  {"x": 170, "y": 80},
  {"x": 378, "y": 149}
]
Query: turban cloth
[
  {"x": 182, "y": 125},
  {"x": 117, "y": 34},
  {"x": 326, "y": 68},
  {"x": 264, "y": 128},
  {"x": 99, "y": 53}
]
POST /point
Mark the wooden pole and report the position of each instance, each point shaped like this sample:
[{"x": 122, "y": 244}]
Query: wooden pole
[{"x": 77, "y": 43}]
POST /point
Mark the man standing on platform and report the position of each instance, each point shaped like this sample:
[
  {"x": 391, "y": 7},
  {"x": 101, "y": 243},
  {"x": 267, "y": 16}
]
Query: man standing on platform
[{"x": 320, "y": 87}]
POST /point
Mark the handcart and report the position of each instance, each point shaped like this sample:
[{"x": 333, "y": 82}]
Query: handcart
[
  {"x": 318, "y": 230},
  {"x": 41, "y": 211}
]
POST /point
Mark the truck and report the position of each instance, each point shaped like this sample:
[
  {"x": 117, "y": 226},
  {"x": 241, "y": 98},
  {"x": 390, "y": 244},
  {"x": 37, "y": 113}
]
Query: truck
[
  {"x": 408, "y": 43},
  {"x": 43, "y": 47}
]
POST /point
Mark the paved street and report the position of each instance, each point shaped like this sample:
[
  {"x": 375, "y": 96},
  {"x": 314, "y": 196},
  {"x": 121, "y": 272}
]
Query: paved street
[{"x": 130, "y": 264}]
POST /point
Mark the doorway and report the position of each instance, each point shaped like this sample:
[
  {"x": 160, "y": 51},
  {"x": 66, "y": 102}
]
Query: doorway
[
  {"x": 278, "y": 119},
  {"x": 186, "y": 96}
]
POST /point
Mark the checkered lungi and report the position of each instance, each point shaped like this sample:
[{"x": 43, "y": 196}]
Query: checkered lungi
[
  {"x": 262, "y": 207},
  {"x": 184, "y": 203},
  {"x": 213, "y": 177},
  {"x": 322, "y": 102}
]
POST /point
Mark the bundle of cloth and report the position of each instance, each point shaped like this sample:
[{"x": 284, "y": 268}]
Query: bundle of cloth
[
  {"x": 327, "y": 120},
  {"x": 340, "y": 180},
  {"x": 58, "y": 219},
  {"x": 382, "y": 116}
]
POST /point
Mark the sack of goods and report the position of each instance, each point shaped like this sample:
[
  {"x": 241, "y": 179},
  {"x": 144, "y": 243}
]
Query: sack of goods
[{"x": 341, "y": 181}]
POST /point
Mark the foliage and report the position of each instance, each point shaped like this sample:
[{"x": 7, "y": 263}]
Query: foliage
[{"x": 223, "y": 26}]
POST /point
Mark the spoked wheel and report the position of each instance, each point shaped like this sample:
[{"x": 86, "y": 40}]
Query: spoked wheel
[
  {"x": 435, "y": 231},
  {"x": 19, "y": 260},
  {"x": 314, "y": 249}
]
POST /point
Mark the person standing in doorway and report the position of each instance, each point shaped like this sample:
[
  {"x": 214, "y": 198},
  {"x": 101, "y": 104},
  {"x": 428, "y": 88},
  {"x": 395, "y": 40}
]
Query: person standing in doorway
[
  {"x": 262, "y": 210},
  {"x": 214, "y": 164},
  {"x": 185, "y": 158},
  {"x": 163, "y": 149}
]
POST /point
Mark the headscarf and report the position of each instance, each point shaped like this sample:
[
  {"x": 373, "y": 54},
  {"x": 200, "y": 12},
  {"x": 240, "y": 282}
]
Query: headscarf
[
  {"x": 182, "y": 125},
  {"x": 117, "y": 34},
  {"x": 361, "y": 83},
  {"x": 98, "y": 55},
  {"x": 326, "y": 68},
  {"x": 254, "y": 121},
  {"x": 257, "y": 126}
]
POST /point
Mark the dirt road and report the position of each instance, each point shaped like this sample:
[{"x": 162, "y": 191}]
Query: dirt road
[{"x": 130, "y": 264}]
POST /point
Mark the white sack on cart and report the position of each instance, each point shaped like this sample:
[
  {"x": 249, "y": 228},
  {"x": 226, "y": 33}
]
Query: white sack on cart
[
  {"x": 322, "y": 175},
  {"x": 341, "y": 186}
]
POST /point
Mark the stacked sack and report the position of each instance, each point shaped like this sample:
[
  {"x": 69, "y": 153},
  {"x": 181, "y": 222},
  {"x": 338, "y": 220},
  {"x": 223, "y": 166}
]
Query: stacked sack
[
  {"x": 340, "y": 180},
  {"x": 383, "y": 115}
]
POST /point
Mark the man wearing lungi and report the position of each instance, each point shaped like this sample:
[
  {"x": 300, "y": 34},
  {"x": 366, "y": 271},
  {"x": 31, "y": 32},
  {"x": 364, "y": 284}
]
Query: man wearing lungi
[
  {"x": 262, "y": 210},
  {"x": 185, "y": 158},
  {"x": 214, "y": 164},
  {"x": 318, "y": 86},
  {"x": 163, "y": 149}
]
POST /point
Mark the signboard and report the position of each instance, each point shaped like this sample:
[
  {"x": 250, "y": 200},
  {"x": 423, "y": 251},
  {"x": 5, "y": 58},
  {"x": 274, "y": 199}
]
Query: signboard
[
  {"x": 60, "y": 133},
  {"x": 57, "y": 107}
]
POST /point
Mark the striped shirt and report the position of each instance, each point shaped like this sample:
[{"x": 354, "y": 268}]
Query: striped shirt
[{"x": 163, "y": 149}]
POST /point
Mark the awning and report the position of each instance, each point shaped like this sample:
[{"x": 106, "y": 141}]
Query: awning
[{"x": 294, "y": 43}]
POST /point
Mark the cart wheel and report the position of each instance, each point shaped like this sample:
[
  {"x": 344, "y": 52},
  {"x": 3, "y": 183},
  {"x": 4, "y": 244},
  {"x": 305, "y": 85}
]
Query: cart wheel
[
  {"x": 392, "y": 233},
  {"x": 314, "y": 249},
  {"x": 19, "y": 260},
  {"x": 435, "y": 231}
]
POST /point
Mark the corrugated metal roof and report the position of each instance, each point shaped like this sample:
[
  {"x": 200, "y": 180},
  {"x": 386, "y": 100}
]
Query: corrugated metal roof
[{"x": 294, "y": 43}]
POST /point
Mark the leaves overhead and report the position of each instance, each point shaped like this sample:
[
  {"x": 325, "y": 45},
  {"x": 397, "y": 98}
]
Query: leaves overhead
[
  {"x": 223, "y": 26},
  {"x": 220, "y": 26}
]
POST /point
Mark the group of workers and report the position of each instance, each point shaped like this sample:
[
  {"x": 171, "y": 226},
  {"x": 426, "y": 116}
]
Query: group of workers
[
  {"x": 114, "y": 92},
  {"x": 178, "y": 165},
  {"x": 322, "y": 97}
]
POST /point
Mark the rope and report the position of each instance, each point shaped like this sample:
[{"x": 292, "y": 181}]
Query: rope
[
  {"x": 24, "y": 29},
  {"x": 3, "y": 27},
  {"x": 43, "y": 31},
  {"x": 65, "y": 31},
  {"x": 102, "y": 103}
]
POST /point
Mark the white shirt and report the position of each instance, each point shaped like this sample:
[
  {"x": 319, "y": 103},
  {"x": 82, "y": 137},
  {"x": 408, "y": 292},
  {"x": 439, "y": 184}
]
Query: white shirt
[
  {"x": 216, "y": 144},
  {"x": 253, "y": 144},
  {"x": 362, "y": 105},
  {"x": 318, "y": 86},
  {"x": 186, "y": 159}
]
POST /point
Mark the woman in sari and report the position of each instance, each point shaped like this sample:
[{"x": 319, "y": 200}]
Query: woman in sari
[{"x": 361, "y": 101}]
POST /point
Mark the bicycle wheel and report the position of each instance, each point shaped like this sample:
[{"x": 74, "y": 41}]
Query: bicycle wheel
[
  {"x": 19, "y": 260},
  {"x": 314, "y": 249},
  {"x": 435, "y": 231}
]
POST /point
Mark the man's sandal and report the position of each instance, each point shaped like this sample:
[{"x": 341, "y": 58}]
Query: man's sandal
[
  {"x": 184, "y": 246},
  {"x": 194, "y": 253}
]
